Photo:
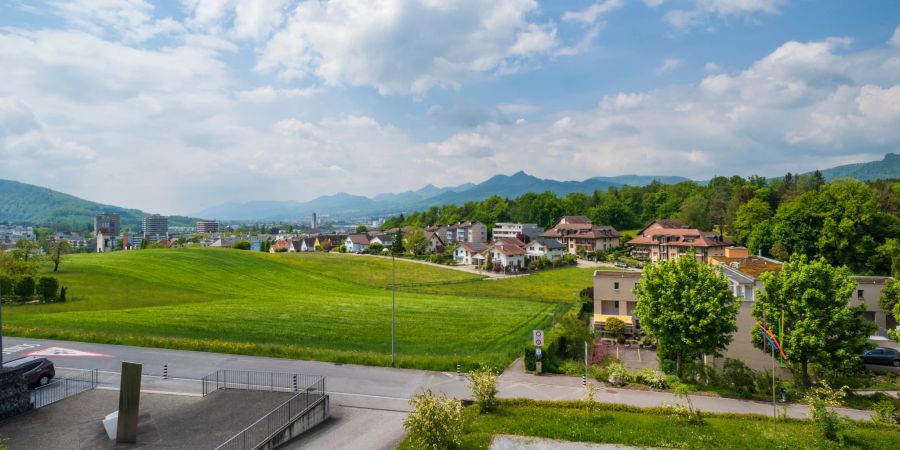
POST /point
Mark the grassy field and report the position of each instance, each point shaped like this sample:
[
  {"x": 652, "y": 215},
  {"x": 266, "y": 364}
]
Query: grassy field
[
  {"x": 652, "y": 427},
  {"x": 328, "y": 307}
]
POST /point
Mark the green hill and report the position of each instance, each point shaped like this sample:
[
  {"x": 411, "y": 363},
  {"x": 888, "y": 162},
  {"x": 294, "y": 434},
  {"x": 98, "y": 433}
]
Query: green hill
[
  {"x": 887, "y": 168},
  {"x": 329, "y": 307},
  {"x": 27, "y": 204}
]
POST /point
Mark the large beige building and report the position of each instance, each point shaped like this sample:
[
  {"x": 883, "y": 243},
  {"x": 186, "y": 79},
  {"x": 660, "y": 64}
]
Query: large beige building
[
  {"x": 613, "y": 296},
  {"x": 668, "y": 240},
  {"x": 579, "y": 234}
]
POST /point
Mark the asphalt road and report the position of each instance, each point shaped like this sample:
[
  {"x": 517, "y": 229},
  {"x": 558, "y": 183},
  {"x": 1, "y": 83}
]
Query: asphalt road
[{"x": 352, "y": 385}]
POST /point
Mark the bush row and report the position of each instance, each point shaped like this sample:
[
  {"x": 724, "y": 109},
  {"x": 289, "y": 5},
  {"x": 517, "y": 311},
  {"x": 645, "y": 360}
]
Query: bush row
[{"x": 27, "y": 287}]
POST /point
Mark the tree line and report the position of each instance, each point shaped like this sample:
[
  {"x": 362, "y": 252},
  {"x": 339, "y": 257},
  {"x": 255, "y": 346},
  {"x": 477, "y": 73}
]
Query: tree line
[{"x": 847, "y": 222}]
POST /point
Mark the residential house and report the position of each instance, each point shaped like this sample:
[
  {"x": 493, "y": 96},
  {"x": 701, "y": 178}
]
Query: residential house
[
  {"x": 508, "y": 253},
  {"x": 613, "y": 297},
  {"x": 657, "y": 242},
  {"x": 386, "y": 240},
  {"x": 306, "y": 244},
  {"x": 463, "y": 232},
  {"x": 357, "y": 243},
  {"x": 435, "y": 243},
  {"x": 329, "y": 241},
  {"x": 524, "y": 231},
  {"x": 580, "y": 235},
  {"x": 105, "y": 242},
  {"x": 543, "y": 247},
  {"x": 470, "y": 253},
  {"x": 282, "y": 245}
]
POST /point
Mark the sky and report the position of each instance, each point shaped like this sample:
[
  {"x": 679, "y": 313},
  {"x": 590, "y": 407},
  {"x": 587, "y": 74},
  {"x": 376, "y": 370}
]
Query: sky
[{"x": 175, "y": 106}]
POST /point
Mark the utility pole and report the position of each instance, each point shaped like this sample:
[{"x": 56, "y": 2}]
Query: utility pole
[{"x": 393, "y": 302}]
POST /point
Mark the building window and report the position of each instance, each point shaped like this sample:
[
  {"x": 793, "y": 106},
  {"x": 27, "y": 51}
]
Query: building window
[
  {"x": 617, "y": 305},
  {"x": 859, "y": 294},
  {"x": 616, "y": 285}
]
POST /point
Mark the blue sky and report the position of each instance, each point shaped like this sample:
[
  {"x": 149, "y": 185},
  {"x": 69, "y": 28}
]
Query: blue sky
[{"x": 175, "y": 106}]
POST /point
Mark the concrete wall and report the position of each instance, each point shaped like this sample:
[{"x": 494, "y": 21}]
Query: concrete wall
[{"x": 304, "y": 423}]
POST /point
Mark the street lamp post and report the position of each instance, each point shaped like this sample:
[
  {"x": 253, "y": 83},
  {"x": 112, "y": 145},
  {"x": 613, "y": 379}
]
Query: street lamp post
[{"x": 393, "y": 302}]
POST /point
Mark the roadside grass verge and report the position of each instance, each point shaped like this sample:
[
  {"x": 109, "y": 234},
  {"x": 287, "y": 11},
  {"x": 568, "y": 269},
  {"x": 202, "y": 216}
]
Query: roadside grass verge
[{"x": 656, "y": 427}]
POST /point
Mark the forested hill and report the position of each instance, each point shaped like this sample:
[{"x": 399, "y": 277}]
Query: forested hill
[
  {"x": 22, "y": 203},
  {"x": 887, "y": 168}
]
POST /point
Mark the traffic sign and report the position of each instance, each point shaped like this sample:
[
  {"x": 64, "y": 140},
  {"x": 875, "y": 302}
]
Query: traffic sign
[{"x": 537, "y": 337}]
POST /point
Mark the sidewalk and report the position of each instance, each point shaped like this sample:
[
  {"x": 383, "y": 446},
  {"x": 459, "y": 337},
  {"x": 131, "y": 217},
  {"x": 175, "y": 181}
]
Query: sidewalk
[{"x": 515, "y": 383}]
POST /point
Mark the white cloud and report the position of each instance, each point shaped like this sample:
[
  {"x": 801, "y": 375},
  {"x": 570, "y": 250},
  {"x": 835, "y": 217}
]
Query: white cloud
[
  {"x": 895, "y": 38},
  {"x": 269, "y": 94},
  {"x": 591, "y": 13},
  {"x": 669, "y": 65},
  {"x": 472, "y": 145},
  {"x": 132, "y": 20},
  {"x": 712, "y": 67},
  {"x": 358, "y": 44},
  {"x": 703, "y": 11},
  {"x": 653, "y": 3}
]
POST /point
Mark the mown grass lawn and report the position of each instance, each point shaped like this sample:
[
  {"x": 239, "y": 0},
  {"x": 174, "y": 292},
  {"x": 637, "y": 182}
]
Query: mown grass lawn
[
  {"x": 325, "y": 307},
  {"x": 652, "y": 427}
]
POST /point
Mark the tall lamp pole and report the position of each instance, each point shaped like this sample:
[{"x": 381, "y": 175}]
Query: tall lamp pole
[{"x": 393, "y": 302}]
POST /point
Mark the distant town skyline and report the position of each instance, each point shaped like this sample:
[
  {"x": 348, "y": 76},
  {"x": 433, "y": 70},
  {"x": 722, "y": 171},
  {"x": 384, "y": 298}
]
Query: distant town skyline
[{"x": 177, "y": 106}]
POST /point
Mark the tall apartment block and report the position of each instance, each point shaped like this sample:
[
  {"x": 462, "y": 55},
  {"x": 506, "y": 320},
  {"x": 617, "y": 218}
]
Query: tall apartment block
[
  {"x": 207, "y": 226},
  {"x": 156, "y": 228},
  {"x": 108, "y": 224}
]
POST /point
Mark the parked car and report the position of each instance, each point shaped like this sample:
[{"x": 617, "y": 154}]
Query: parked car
[
  {"x": 621, "y": 265},
  {"x": 38, "y": 371},
  {"x": 881, "y": 355}
]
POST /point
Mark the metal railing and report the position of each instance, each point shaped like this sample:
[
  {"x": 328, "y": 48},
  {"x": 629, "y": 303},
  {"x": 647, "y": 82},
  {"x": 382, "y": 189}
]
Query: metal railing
[
  {"x": 62, "y": 388},
  {"x": 248, "y": 380},
  {"x": 307, "y": 398}
]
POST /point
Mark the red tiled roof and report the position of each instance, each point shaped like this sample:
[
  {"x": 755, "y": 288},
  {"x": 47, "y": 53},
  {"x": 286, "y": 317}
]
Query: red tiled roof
[{"x": 683, "y": 237}]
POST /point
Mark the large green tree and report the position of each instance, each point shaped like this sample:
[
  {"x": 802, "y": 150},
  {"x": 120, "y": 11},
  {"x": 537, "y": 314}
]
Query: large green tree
[
  {"x": 819, "y": 325},
  {"x": 749, "y": 216},
  {"x": 890, "y": 303},
  {"x": 688, "y": 306},
  {"x": 415, "y": 242}
]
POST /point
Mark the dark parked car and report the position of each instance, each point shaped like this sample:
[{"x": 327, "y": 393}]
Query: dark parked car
[
  {"x": 881, "y": 355},
  {"x": 38, "y": 371}
]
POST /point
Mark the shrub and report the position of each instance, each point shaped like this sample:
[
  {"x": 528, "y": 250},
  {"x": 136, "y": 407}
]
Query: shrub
[
  {"x": 6, "y": 286},
  {"x": 241, "y": 245},
  {"x": 617, "y": 374},
  {"x": 615, "y": 326},
  {"x": 650, "y": 377},
  {"x": 24, "y": 286},
  {"x": 483, "y": 384},
  {"x": 375, "y": 248},
  {"x": 47, "y": 288},
  {"x": 279, "y": 250},
  {"x": 435, "y": 422},
  {"x": 738, "y": 377},
  {"x": 820, "y": 399},
  {"x": 884, "y": 412},
  {"x": 571, "y": 333},
  {"x": 62, "y": 294}
]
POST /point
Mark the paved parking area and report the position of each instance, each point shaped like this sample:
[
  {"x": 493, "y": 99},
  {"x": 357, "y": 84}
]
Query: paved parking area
[{"x": 166, "y": 421}]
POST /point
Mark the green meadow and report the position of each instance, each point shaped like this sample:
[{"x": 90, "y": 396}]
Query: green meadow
[{"x": 328, "y": 307}]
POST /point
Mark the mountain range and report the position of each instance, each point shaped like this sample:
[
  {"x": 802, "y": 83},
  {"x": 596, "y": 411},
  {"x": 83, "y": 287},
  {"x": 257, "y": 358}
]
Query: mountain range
[
  {"x": 345, "y": 205},
  {"x": 29, "y": 204}
]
